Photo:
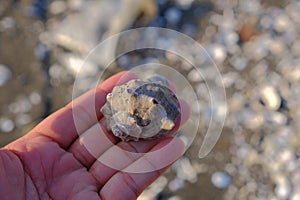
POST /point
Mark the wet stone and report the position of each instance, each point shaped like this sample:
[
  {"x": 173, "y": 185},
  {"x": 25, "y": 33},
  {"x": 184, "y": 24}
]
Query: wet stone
[
  {"x": 220, "y": 180},
  {"x": 218, "y": 52},
  {"x": 270, "y": 97},
  {"x": 6, "y": 125},
  {"x": 173, "y": 15},
  {"x": 282, "y": 22},
  {"x": 57, "y": 7},
  {"x": 239, "y": 63}
]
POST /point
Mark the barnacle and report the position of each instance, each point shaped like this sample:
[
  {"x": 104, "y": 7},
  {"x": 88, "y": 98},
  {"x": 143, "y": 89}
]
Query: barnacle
[{"x": 141, "y": 109}]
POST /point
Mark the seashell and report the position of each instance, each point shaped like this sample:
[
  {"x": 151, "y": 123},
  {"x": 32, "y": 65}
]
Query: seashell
[{"x": 141, "y": 110}]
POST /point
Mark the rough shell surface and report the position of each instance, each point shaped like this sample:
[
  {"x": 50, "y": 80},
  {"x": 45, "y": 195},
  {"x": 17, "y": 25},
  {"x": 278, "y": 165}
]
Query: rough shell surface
[{"x": 141, "y": 110}]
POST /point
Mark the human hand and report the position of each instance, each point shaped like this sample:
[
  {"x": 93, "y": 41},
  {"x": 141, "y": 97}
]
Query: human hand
[{"x": 52, "y": 162}]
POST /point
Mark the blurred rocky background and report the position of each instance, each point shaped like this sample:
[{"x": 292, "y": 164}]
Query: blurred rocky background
[{"x": 255, "y": 43}]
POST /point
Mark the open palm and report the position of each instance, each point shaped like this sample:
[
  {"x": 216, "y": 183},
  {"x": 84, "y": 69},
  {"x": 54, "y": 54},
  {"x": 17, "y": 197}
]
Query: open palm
[{"x": 52, "y": 161}]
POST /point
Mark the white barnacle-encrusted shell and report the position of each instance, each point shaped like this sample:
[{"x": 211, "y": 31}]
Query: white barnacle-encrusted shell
[{"x": 141, "y": 109}]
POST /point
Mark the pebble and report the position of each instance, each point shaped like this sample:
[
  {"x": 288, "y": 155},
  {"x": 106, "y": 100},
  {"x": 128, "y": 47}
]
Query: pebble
[
  {"x": 252, "y": 186},
  {"x": 76, "y": 4},
  {"x": 22, "y": 119},
  {"x": 176, "y": 184},
  {"x": 154, "y": 189},
  {"x": 173, "y": 15},
  {"x": 38, "y": 9},
  {"x": 230, "y": 169},
  {"x": 220, "y": 180},
  {"x": 21, "y": 105},
  {"x": 266, "y": 22},
  {"x": 277, "y": 46},
  {"x": 293, "y": 10},
  {"x": 228, "y": 20},
  {"x": 42, "y": 52},
  {"x": 229, "y": 38},
  {"x": 189, "y": 29},
  {"x": 185, "y": 170},
  {"x": 259, "y": 71},
  {"x": 184, "y": 4},
  {"x": 250, "y": 119},
  {"x": 270, "y": 97},
  {"x": 7, "y": 23},
  {"x": 210, "y": 31},
  {"x": 194, "y": 76},
  {"x": 229, "y": 79},
  {"x": 283, "y": 189},
  {"x": 276, "y": 118},
  {"x": 240, "y": 84},
  {"x": 6, "y": 125},
  {"x": 24, "y": 104},
  {"x": 125, "y": 61},
  {"x": 251, "y": 6},
  {"x": 295, "y": 74},
  {"x": 5, "y": 74},
  {"x": 296, "y": 48},
  {"x": 239, "y": 63},
  {"x": 56, "y": 71},
  {"x": 35, "y": 98},
  {"x": 78, "y": 66},
  {"x": 247, "y": 32},
  {"x": 282, "y": 22},
  {"x": 57, "y": 7},
  {"x": 218, "y": 53},
  {"x": 295, "y": 195},
  {"x": 175, "y": 198},
  {"x": 236, "y": 103},
  {"x": 257, "y": 49}
]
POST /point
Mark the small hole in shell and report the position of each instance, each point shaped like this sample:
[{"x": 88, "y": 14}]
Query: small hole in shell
[
  {"x": 129, "y": 91},
  {"x": 154, "y": 101}
]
